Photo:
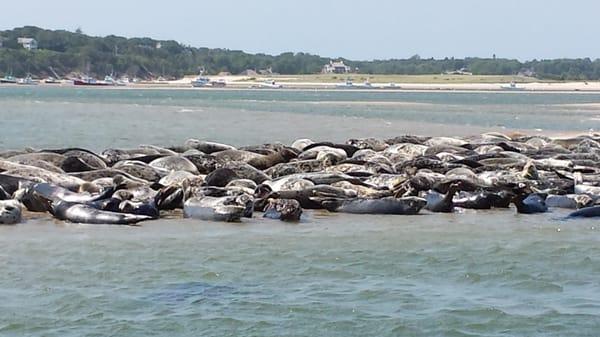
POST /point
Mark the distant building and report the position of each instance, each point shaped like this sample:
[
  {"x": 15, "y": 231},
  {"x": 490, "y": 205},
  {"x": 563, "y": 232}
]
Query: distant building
[
  {"x": 28, "y": 43},
  {"x": 336, "y": 67},
  {"x": 158, "y": 45}
]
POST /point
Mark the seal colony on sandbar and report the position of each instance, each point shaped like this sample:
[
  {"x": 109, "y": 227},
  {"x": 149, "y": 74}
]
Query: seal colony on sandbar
[{"x": 219, "y": 182}]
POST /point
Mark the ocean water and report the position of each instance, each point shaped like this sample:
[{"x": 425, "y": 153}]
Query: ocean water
[
  {"x": 100, "y": 118},
  {"x": 490, "y": 273}
]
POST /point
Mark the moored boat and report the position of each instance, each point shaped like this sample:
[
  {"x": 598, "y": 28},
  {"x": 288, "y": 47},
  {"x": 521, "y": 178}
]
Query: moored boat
[
  {"x": 220, "y": 83},
  {"x": 27, "y": 81},
  {"x": 200, "y": 81},
  {"x": 90, "y": 81},
  {"x": 345, "y": 85},
  {"x": 270, "y": 84},
  {"x": 8, "y": 79},
  {"x": 511, "y": 86},
  {"x": 51, "y": 80}
]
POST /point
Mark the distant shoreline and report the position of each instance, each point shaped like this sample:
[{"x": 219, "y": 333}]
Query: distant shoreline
[{"x": 533, "y": 87}]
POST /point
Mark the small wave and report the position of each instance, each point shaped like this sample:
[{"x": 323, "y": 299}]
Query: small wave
[
  {"x": 184, "y": 110},
  {"x": 538, "y": 286}
]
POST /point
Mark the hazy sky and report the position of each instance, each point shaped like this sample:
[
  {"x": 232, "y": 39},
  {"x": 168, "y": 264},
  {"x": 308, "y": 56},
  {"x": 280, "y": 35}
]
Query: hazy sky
[{"x": 364, "y": 29}]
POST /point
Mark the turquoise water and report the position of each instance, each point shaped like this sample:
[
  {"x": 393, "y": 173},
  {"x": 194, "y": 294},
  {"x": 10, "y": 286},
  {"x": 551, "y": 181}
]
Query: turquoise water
[{"x": 472, "y": 274}]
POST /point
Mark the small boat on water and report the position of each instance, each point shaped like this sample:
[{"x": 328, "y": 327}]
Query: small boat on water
[
  {"x": 345, "y": 85},
  {"x": 51, "y": 80},
  {"x": 200, "y": 81},
  {"x": 366, "y": 85},
  {"x": 220, "y": 83},
  {"x": 27, "y": 81},
  {"x": 111, "y": 81},
  {"x": 271, "y": 84},
  {"x": 123, "y": 81},
  {"x": 267, "y": 84},
  {"x": 391, "y": 85},
  {"x": 89, "y": 81},
  {"x": 511, "y": 86},
  {"x": 8, "y": 79}
]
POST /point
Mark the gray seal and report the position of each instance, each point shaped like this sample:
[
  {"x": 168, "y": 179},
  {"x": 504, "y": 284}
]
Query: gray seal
[
  {"x": 10, "y": 212},
  {"x": 387, "y": 205},
  {"x": 80, "y": 213},
  {"x": 283, "y": 209},
  {"x": 227, "y": 208}
]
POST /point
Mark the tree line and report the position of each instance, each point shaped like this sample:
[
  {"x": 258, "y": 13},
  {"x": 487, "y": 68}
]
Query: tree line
[{"x": 71, "y": 53}]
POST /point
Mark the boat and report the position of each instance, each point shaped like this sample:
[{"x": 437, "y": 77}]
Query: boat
[
  {"x": 270, "y": 84},
  {"x": 123, "y": 81},
  {"x": 90, "y": 81},
  {"x": 27, "y": 81},
  {"x": 8, "y": 79},
  {"x": 51, "y": 80},
  {"x": 345, "y": 85},
  {"x": 200, "y": 81},
  {"x": 511, "y": 86},
  {"x": 109, "y": 80},
  {"x": 220, "y": 83},
  {"x": 366, "y": 85},
  {"x": 391, "y": 85}
]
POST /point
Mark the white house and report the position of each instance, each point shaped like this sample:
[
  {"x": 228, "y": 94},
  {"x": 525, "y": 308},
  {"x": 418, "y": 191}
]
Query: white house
[
  {"x": 336, "y": 67},
  {"x": 28, "y": 43}
]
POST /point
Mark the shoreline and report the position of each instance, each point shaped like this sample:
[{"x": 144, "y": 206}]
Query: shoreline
[{"x": 287, "y": 83}]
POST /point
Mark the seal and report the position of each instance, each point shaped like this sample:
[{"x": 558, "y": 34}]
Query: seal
[
  {"x": 141, "y": 170},
  {"x": 479, "y": 200},
  {"x": 49, "y": 157},
  {"x": 10, "y": 212},
  {"x": 169, "y": 198},
  {"x": 76, "y": 164},
  {"x": 588, "y": 212},
  {"x": 529, "y": 203},
  {"x": 282, "y": 156},
  {"x": 206, "y": 147},
  {"x": 175, "y": 163},
  {"x": 220, "y": 177},
  {"x": 386, "y": 205},
  {"x": 309, "y": 198},
  {"x": 29, "y": 172},
  {"x": 320, "y": 151},
  {"x": 39, "y": 164},
  {"x": 445, "y": 204},
  {"x": 227, "y": 208},
  {"x": 283, "y": 209},
  {"x": 246, "y": 171},
  {"x": 38, "y": 197},
  {"x": 349, "y": 149},
  {"x": 205, "y": 163},
  {"x": 297, "y": 166},
  {"x": 177, "y": 178},
  {"x": 80, "y": 213},
  {"x": 572, "y": 201}
]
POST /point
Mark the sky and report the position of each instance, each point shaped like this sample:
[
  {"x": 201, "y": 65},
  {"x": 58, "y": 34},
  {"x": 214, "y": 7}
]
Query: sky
[{"x": 358, "y": 30}]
